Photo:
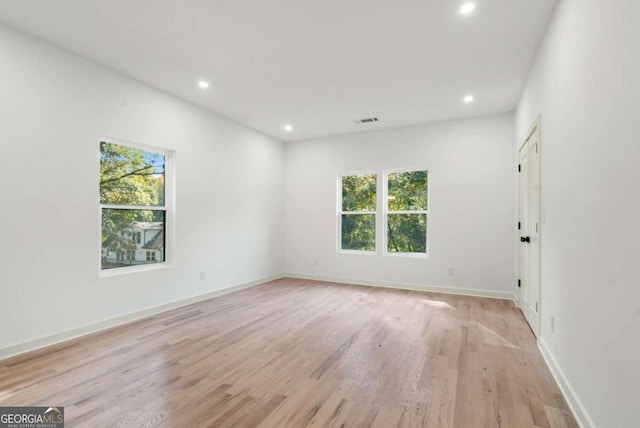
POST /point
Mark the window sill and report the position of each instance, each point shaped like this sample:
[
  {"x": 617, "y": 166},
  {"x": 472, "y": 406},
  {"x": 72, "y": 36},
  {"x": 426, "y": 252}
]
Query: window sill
[
  {"x": 358, "y": 253},
  {"x": 132, "y": 269},
  {"x": 409, "y": 255}
]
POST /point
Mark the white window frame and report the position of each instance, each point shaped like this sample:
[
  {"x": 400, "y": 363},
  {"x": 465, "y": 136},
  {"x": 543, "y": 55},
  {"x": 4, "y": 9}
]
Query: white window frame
[
  {"x": 386, "y": 212},
  {"x": 168, "y": 208},
  {"x": 340, "y": 213}
]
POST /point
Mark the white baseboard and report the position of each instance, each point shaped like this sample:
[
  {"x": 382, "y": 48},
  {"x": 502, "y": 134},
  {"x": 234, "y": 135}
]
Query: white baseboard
[
  {"x": 410, "y": 286},
  {"x": 580, "y": 413},
  {"x": 42, "y": 342}
]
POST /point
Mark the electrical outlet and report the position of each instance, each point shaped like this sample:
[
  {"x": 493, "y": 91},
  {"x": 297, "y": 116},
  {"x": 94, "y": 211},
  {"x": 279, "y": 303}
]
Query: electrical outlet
[
  {"x": 553, "y": 324},
  {"x": 451, "y": 271},
  {"x": 203, "y": 275}
]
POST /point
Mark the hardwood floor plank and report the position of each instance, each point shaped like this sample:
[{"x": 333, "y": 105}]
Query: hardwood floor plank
[{"x": 296, "y": 353}]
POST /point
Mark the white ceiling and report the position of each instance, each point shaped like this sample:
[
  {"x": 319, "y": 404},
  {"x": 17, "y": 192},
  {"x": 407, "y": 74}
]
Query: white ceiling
[{"x": 316, "y": 64}]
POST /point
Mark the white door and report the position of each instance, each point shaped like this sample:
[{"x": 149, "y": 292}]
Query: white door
[
  {"x": 529, "y": 228},
  {"x": 523, "y": 225},
  {"x": 534, "y": 232}
]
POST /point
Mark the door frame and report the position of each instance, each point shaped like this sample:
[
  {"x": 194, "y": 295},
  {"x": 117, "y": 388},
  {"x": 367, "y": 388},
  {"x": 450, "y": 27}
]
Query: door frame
[{"x": 536, "y": 126}]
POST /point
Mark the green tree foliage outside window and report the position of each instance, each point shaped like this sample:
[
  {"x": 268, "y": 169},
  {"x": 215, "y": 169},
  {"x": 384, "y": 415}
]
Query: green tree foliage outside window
[
  {"x": 130, "y": 177},
  {"x": 407, "y": 212},
  {"x": 358, "y": 218}
]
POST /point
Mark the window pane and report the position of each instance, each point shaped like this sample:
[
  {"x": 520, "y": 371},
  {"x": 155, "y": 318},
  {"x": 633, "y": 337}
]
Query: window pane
[
  {"x": 359, "y": 232},
  {"x": 131, "y": 176},
  {"x": 407, "y": 191},
  {"x": 407, "y": 233},
  {"x": 359, "y": 192},
  {"x": 132, "y": 237}
]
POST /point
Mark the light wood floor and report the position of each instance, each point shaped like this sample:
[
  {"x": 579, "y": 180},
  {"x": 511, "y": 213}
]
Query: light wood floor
[{"x": 294, "y": 353}]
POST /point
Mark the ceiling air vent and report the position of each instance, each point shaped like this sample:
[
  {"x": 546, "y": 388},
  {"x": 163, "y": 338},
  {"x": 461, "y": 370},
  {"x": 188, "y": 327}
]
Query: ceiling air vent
[{"x": 367, "y": 120}]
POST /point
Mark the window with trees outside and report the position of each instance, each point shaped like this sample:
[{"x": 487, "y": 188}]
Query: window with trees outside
[
  {"x": 406, "y": 211},
  {"x": 358, "y": 200},
  {"x": 134, "y": 203}
]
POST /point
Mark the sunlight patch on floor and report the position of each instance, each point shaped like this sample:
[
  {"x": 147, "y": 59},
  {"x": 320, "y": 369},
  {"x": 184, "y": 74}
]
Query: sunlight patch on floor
[
  {"x": 494, "y": 338},
  {"x": 437, "y": 304}
]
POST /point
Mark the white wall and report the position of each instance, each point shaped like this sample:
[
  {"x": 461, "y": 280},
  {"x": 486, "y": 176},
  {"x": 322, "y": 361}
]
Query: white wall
[
  {"x": 471, "y": 226},
  {"x": 585, "y": 86},
  {"x": 54, "y": 107}
]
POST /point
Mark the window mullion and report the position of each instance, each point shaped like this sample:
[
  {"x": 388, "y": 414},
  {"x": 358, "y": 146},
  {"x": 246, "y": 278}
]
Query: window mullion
[
  {"x": 408, "y": 212},
  {"x": 133, "y": 207},
  {"x": 357, "y": 212}
]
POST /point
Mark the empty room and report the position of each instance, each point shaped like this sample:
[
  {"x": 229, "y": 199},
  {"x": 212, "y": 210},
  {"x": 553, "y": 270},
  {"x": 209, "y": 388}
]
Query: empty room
[{"x": 305, "y": 213}]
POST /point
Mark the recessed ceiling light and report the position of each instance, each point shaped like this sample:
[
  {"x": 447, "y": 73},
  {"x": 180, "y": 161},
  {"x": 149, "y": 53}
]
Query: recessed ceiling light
[
  {"x": 469, "y": 99},
  {"x": 467, "y": 8},
  {"x": 203, "y": 84},
  {"x": 288, "y": 128}
]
